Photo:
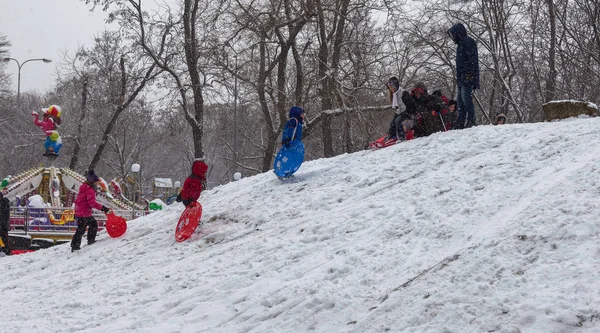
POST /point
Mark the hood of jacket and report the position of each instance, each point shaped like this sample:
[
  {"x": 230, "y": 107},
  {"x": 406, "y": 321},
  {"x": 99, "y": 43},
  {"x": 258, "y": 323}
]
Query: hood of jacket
[
  {"x": 199, "y": 169},
  {"x": 458, "y": 32}
]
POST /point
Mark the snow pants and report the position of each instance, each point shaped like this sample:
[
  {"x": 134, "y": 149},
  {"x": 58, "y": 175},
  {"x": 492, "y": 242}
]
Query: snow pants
[{"x": 91, "y": 224}]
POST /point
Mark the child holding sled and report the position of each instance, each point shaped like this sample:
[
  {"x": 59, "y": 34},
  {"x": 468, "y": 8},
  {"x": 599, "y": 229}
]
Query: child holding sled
[
  {"x": 192, "y": 186},
  {"x": 293, "y": 127},
  {"x": 85, "y": 201}
]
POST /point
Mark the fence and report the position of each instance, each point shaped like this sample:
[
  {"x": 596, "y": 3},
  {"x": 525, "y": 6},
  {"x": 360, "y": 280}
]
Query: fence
[{"x": 59, "y": 221}]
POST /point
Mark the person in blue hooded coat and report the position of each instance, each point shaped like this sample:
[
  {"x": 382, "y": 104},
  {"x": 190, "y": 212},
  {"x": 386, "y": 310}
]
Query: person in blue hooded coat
[
  {"x": 293, "y": 128},
  {"x": 467, "y": 74}
]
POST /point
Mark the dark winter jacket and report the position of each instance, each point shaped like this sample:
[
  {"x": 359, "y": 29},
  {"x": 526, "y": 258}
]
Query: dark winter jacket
[
  {"x": 4, "y": 213},
  {"x": 427, "y": 108},
  {"x": 294, "y": 124},
  {"x": 192, "y": 186},
  {"x": 86, "y": 200},
  {"x": 467, "y": 59}
]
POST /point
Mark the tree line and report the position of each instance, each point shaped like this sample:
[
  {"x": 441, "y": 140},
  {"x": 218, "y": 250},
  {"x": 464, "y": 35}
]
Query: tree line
[{"x": 171, "y": 81}]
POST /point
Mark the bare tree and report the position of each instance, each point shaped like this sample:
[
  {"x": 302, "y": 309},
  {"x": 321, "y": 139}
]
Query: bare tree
[{"x": 78, "y": 134}]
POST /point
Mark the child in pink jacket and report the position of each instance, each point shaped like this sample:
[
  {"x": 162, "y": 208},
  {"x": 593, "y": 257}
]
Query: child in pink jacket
[{"x": 86, "y": 200}]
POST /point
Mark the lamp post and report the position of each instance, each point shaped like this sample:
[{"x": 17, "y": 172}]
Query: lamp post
[
  {"x": 135, "y": 168},
  {"x": 19, "y": 72},
  {"x": 235, "y": 95}
]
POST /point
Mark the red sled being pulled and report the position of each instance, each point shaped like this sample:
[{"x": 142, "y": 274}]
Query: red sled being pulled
[{"x": 383, "y": 142}]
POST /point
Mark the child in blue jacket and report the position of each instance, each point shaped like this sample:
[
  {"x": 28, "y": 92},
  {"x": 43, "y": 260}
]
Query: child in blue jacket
[{"x": 293, "y": 128}]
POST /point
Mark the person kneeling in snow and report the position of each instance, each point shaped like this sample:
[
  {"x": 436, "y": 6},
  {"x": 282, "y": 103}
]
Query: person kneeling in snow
[
  {"x": 192, "y": 186},
  {"x": 86, "y": 200}
]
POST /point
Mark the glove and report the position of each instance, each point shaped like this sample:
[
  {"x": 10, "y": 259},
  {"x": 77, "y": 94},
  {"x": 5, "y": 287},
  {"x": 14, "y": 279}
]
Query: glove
[
  {"x": 105, "y": 209},
  {"x": 178, "y": 199},
  {"x": 33, "y": 113},
  {"x": 187, "y": 202}
]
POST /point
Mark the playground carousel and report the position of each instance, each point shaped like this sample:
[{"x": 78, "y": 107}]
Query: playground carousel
[{"x": 42, "y": 201}]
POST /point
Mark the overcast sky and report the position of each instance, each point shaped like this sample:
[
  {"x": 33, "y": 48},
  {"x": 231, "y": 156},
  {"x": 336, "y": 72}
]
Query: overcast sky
[{"x": 45, "y": 29}]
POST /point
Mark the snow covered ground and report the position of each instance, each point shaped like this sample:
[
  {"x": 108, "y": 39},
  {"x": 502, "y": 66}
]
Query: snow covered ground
[{"x": 489, "y": 229}]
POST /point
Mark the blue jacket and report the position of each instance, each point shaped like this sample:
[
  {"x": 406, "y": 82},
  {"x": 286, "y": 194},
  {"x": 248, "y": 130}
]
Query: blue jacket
[
  {"x": 467, "y": 59},
  {"x": 295, "y": 122}
]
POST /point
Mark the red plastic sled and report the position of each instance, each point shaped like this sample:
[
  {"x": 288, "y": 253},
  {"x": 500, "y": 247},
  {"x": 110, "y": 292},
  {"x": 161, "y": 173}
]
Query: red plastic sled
[
  {"x": 115, "y": 225},
  {"x": 382, "y": 142},
  {"x": 188, "y": 222},
  {"x": 15, "y": 252}
]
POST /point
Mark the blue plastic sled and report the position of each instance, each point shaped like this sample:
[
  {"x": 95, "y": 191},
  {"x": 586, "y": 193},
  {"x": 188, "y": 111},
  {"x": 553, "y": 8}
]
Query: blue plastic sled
[{"x": 289, "y": 159}]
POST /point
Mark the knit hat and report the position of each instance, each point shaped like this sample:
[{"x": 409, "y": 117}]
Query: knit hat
[
  {"x": 91, "y": 177},
  {"x": 420, "y": 85},
  {"x": 394, "y": 82}
]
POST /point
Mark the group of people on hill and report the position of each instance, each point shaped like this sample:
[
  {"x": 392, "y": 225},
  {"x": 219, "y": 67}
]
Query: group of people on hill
[
  {"x": 424, "y": 113},
  {"x": 417, "y": 111}
]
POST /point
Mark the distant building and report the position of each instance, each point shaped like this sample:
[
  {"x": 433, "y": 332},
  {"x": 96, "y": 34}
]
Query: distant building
[{"x": 162, "y": 187}]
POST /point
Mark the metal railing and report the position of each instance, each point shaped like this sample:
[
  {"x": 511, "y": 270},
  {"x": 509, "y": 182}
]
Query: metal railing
[{"x": 52, "y": 220}]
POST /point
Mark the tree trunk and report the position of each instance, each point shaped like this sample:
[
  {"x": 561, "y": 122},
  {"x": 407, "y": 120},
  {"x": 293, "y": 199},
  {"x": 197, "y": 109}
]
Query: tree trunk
[
  {"x": 191, "y": 57},
  {"x": 551, "y": 82}
]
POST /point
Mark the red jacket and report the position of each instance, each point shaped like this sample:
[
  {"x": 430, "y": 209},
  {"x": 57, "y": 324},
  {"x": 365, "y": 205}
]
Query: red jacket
[
  {"x": 86, "y": 200},
  {"x": 192, "y": 186}
]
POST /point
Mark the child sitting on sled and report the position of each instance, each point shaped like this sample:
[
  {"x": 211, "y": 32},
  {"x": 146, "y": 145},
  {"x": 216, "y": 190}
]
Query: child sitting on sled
[
  {"x": 192, "y": 186},
  {"x": 403, "y": 120}
]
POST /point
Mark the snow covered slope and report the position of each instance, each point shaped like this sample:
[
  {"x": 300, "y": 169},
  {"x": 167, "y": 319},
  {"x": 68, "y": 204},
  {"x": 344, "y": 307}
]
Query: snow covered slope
[{"x": 489, "y": 229}]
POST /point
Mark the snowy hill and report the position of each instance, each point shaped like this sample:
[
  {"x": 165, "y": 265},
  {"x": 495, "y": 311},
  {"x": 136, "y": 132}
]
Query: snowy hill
[{"x": 489, "y": 229}]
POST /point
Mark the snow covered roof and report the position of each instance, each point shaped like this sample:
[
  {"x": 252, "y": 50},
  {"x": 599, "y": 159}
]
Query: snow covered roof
[{"x": 163, "y": 183}]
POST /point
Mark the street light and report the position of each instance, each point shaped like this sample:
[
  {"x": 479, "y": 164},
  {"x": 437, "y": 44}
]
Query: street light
[
  {"x": 19, "y": 75},
  {"x": 235, "y": 95},
  {"x": 135, "y": 168}
]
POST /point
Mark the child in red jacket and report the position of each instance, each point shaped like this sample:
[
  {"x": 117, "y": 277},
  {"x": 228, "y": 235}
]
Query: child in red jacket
[{"x": 192, "y": 186}]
